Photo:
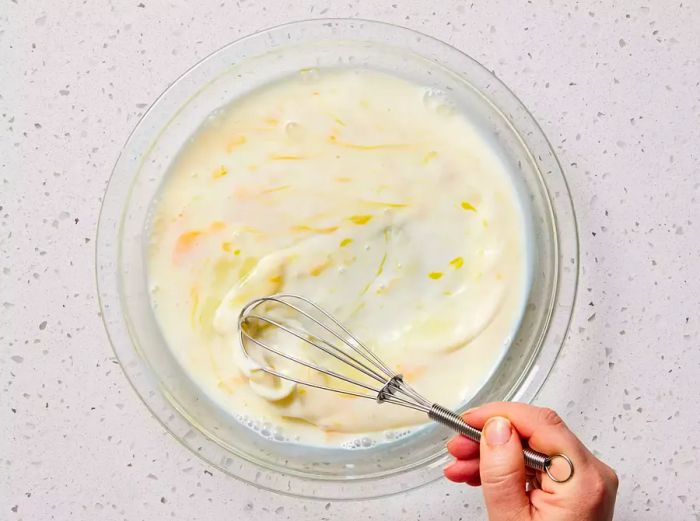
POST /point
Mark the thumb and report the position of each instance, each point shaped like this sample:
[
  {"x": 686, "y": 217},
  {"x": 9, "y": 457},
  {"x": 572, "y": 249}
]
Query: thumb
[{"x": 502, "y": 469}]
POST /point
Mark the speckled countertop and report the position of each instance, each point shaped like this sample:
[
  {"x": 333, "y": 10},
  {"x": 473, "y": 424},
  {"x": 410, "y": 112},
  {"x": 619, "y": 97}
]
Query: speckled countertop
[{"x": 616, "y": 87}]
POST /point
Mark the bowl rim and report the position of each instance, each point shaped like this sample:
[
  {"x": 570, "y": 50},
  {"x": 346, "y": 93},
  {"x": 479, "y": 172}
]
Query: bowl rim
[{"x": 105, "y": 280}]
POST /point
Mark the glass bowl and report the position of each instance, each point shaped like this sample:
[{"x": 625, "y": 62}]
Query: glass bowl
[{"x": 173, "y": 397}]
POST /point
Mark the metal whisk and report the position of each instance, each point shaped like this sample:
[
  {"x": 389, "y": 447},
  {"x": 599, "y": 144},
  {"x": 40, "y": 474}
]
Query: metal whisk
[{"x": 381, "y": 384}]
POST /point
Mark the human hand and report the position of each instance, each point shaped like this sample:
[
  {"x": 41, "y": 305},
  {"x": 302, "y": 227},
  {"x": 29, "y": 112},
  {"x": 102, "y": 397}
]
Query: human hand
[{"x": 497, "y": 465}]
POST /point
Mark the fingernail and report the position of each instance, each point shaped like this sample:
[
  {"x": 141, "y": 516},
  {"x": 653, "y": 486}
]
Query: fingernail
[
  {"x": 497, "y": 431},
  {"x": 469, "y": 411}
]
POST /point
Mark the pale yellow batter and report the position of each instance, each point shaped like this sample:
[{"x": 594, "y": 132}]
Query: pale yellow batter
[{"x": 365, "y": 193}]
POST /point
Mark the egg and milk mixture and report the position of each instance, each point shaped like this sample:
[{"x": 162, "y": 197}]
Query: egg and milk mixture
[{"x": 367, "y": 194}]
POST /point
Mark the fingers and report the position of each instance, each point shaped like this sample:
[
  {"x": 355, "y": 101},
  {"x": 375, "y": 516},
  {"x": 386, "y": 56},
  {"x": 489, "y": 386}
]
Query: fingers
[
  {"x": 543, "y": 428},
  {"x": 502, "y": 471},
  {"x": 466, "y": 468},
  {"x": 464, "y": 471},
  {"x": 545, "y": 432},
  {"x": 463, "y": 448},
  {"x": 499, "y": 466}
]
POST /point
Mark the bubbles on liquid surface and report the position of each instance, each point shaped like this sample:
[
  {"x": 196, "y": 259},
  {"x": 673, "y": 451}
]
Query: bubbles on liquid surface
[
  {"x": 215, "y": 116},
  {"x": 396, "y": 435},
  {"x": 264, "y": 429},
  {"x": 359, "y": 443},
  {"x": 271, "y": 432},
  {"x": 437, "y": 101}
]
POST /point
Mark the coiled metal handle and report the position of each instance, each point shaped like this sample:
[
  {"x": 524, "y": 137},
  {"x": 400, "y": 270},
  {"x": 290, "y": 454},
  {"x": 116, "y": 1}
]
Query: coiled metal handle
[{"x": 533, "y": 459}]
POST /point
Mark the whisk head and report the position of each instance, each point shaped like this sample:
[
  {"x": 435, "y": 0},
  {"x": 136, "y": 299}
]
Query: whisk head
[
  {"x": 294, "y": 317},
  {"x": 325, "y": 345}
]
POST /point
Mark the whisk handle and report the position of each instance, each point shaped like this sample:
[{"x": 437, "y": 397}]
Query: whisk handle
[
  {"x": 533, "y": 459},
  {"x": 454, "y": 421}
]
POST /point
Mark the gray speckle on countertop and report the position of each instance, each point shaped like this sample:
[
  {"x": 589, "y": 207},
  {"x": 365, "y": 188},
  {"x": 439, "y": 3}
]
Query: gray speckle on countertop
[{"x": 615, "y": 86}]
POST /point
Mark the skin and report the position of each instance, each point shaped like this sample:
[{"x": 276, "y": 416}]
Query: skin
[{"x": 497, "y": 465}]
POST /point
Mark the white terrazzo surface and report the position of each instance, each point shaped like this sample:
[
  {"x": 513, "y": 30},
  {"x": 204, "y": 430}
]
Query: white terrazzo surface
[{"x": 616, "y": 87}]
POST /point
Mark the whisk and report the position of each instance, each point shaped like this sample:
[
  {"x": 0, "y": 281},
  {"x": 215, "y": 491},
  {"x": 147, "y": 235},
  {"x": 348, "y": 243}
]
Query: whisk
[{"x": 381, "y": 384}]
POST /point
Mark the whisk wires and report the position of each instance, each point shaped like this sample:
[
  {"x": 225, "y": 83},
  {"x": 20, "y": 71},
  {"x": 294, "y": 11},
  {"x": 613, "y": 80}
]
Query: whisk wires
[{"x": 338, "y": 343}]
